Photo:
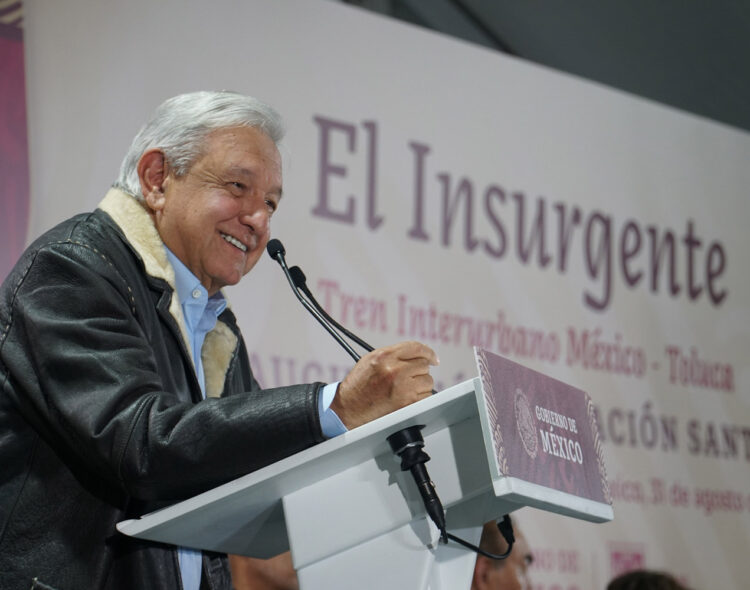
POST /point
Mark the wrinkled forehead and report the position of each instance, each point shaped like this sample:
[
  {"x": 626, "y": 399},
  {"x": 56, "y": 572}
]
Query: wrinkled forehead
[{"x": 238, "y": 147}]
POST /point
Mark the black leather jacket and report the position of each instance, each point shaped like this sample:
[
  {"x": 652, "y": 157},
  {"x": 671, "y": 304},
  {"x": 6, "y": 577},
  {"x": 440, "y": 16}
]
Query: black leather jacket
[{"x": 99, "y": 412}]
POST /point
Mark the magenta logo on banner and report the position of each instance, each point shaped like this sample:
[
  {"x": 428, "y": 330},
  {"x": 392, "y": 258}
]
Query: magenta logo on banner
[
  {"x": 543, "y": 431},
  {"x": 525, "y": 423}
]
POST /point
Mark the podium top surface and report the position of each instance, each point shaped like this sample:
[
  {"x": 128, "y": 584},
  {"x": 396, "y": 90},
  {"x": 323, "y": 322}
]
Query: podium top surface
[{"x": 214, "y": 516}]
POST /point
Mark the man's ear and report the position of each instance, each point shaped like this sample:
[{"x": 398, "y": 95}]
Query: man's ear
[{"x": 153, "y": 172}]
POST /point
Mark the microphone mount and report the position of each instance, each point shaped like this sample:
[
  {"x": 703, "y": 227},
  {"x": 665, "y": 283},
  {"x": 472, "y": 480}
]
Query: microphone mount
[{"x": 408, "y": 445}]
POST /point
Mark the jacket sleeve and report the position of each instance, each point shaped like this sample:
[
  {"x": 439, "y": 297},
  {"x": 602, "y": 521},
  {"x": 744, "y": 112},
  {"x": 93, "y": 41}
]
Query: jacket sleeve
[{"x": 84, "y": 374}]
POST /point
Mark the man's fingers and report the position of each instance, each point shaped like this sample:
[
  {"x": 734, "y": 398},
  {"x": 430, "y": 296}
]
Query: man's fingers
[
  {"x": 409, "y": 382},
  {"x": 412, "y": 350},
  {"x": 422, "y": 384},
  {"x": 420, "y": 366}
]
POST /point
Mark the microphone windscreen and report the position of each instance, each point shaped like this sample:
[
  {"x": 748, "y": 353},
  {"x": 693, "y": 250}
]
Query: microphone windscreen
[
  {"x": 298, "y": 276},
  {"x": 274, "y": 248}
]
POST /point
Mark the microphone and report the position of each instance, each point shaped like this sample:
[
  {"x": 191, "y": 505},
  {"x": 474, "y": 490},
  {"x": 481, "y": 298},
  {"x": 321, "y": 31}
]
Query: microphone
[
  {"x": 301, "y": 283},
  {"x": 276, "y": 251},
  {"x": 406, "y": 443}
]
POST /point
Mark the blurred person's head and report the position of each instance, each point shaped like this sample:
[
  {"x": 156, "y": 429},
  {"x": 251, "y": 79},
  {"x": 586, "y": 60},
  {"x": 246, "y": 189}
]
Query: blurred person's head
[
  {"x": 645, "y": 580},
  {"x": 506, "y": 574}
]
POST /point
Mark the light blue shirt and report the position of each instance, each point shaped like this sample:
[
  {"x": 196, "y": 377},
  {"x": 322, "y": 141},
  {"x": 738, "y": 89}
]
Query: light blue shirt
[{"x": 201, "y": 313}]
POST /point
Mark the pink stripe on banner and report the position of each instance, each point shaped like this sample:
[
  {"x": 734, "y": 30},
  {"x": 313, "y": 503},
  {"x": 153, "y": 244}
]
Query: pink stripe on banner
[{"x": 14, "y": 164}]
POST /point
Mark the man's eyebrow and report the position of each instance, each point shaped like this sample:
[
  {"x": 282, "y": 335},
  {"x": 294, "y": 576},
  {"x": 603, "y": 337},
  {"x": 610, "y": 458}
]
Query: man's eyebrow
[
  {"x": 241, "y": 170},
  {"x": 250, "y": 173}
]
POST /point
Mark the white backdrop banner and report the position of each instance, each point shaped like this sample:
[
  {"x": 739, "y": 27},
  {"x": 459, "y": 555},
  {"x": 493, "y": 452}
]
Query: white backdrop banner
[{"x": 441, "y": 192}]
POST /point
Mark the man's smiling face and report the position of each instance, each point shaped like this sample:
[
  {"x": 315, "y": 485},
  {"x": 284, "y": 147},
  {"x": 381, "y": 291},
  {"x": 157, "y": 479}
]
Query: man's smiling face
[{"x": 216, "y": 218}]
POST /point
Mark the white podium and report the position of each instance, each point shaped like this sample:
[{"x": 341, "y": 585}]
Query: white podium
[{"x": 352, "y": 518}]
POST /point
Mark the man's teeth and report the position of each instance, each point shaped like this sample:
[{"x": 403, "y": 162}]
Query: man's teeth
[{"x": 234, "y": 242}]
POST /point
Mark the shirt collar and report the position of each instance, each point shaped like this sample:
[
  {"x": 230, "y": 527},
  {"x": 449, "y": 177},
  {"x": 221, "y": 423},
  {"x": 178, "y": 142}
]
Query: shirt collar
[{"x": 191, "y": 293}]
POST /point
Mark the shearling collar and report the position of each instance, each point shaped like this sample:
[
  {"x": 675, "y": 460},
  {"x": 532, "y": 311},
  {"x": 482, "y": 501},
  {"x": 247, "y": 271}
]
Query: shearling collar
[{"x": 139, "y": 229}]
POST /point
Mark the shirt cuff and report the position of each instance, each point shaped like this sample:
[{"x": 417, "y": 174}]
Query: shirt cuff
[{"x": 330, "y": 423}]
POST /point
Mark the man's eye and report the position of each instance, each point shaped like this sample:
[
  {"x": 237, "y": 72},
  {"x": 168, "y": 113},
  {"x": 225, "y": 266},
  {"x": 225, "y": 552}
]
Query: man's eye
[
  {"x": 237, "y": 185},
  {"x": 271, "y": 205}
]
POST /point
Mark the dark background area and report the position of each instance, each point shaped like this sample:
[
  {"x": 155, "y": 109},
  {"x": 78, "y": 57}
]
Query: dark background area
[{"x": 689, "y": 54}]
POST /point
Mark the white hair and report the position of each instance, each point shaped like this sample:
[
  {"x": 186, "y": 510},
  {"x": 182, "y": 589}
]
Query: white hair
[{"x": 179, "y": 127}]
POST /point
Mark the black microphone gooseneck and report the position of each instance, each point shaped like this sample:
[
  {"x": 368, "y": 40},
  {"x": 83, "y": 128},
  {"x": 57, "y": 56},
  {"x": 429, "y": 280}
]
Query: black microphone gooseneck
[
  {"x": 276, "y": 251},
  {"x": 406, "y": 443},
  {"x": 300, "y": 281}
]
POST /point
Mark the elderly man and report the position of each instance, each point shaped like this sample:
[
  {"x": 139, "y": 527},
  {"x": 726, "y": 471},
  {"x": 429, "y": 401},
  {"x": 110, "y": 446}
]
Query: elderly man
[{"x": 125, "y": 380}]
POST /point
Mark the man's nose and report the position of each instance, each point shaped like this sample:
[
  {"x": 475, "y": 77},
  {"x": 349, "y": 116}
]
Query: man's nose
[{"x": 257, "y": 218}]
